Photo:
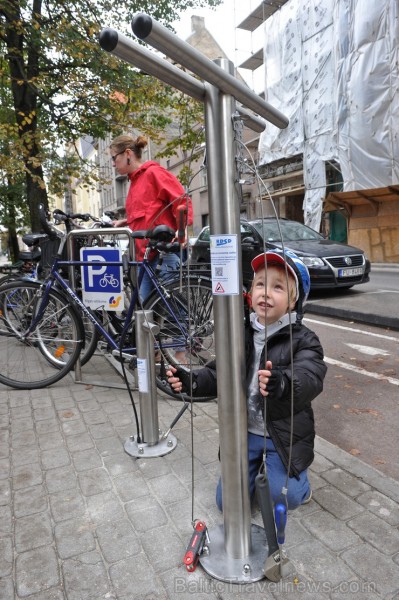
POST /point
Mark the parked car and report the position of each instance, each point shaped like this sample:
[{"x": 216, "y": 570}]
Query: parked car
[{"x": 331, "y": 264}]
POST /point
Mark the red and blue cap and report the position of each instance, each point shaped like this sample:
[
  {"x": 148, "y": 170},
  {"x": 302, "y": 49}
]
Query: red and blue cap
[{"x": 271, "y": 258}]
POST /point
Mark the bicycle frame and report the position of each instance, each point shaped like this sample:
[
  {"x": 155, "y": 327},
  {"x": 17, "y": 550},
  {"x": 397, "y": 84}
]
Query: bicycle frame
[
  {"x": 145, "y": 267},
  {"x": 52, "y": 328}
]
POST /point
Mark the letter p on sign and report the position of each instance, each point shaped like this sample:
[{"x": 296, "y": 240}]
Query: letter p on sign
[{"x": 94, "y": 270}]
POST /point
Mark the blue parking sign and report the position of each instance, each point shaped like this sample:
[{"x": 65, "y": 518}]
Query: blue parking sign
[{"x": 102, "y": 284}]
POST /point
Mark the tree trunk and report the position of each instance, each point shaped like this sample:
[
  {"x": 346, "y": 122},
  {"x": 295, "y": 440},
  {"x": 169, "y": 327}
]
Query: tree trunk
[
  {"x": 35, "y": 195},
  {"x": 13, "y": 246},
  {"x": 23, "y": 59}
]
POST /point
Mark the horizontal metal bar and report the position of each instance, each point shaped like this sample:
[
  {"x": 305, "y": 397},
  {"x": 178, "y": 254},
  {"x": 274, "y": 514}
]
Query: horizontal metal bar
[
  {"x": 146, "y": 28},
  {"x": 118, "y": 44},
  {"x": 123, "y": 47}
]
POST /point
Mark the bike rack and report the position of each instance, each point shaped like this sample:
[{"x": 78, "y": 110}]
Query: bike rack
[
  {"x": 152, "y": 443},
  {"x": 123, "y": 232}
]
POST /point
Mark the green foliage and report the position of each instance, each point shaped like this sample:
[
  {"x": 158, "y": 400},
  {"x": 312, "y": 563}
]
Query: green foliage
[{"x": 58, "y": 85}]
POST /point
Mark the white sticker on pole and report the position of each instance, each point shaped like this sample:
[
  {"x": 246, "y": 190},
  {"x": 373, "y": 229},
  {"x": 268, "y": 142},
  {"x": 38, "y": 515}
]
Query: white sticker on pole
[
  {"x": 224, "y": 265},
  {"x": 142, "y": 375}
]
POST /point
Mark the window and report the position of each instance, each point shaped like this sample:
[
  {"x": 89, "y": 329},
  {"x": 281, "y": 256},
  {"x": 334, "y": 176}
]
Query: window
[{"x": 204, "y": 178}]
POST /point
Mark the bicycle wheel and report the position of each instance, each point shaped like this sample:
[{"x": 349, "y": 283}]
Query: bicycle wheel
[
  {"x": 186, "y": 324},
  {"x": 91, "y": 336},
  {"x": 46, "y": 355},
  {"x": 9, "y": 278},
  {"x": 91, "y": 339}
]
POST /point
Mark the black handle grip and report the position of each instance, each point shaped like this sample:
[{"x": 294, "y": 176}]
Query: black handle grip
[{"x": 266, "y": 508}]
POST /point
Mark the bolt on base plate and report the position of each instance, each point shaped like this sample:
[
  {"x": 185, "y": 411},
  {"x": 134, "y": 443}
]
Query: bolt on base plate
[
  {"x": 235, "y": 570},
  {"x": 164, "y": 446}
]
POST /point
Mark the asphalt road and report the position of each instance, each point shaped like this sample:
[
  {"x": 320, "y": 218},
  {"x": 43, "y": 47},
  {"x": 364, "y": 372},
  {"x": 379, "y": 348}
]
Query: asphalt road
[
  {"x": 359, "y": 331},
  {"x": 373, "y": 303}
]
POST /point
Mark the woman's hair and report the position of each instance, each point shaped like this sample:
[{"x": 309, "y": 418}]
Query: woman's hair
[{"x": 123, "y": 142}]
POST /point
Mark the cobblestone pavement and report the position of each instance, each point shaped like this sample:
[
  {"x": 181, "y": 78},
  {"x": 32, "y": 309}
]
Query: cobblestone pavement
[{"x": 80, "y": 519}]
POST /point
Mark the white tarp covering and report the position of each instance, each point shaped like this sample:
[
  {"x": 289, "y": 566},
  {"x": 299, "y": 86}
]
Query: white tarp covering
[{"x": 332, "y": 67}]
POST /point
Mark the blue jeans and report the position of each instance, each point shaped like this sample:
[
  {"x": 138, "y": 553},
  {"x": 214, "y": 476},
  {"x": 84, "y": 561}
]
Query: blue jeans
[
  {"x": 298, "y": 490},
  {"x": 170, "y": 262}
]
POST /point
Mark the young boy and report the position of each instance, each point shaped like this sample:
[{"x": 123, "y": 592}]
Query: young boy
[{"x": 275, "y": 387}]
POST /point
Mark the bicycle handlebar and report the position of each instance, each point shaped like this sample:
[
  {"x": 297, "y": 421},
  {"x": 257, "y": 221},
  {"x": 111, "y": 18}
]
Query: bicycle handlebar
[
  {"x": 67, "y": 218},
  {"x": 160, "y": 238},
  {"x": 62, "y": 216}
]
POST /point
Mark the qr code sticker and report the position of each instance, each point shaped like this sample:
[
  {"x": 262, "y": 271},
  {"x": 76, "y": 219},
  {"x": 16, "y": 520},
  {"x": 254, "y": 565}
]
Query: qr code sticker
[{"x": 219, "y": 271}]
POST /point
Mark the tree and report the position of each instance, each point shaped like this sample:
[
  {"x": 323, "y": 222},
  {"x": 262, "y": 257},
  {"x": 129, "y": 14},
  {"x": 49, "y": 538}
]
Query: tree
[
  {"x": 62, "y": 85},
  {"x": 13, "y": 207}
]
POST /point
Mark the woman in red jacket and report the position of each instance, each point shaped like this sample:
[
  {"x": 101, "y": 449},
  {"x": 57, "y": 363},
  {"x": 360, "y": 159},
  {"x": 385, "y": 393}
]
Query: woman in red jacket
[{"x": 154, "y": 198}]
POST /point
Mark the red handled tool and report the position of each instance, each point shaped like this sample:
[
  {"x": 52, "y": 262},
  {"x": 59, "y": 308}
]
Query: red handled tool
[
  {"x": 181, "y": 232},
  {"x": 181, "y": 236},
  {"x": 195, "y": 547}
]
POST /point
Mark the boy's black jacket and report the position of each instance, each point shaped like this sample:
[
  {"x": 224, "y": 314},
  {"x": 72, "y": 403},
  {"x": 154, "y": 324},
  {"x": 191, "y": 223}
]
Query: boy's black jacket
[{"x": 308, "y": 375}]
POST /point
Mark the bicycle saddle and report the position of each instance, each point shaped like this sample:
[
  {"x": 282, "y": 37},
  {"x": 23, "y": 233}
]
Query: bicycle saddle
[
  {"x": 30, "y": 239},
  {"x": 35, "y": 255},
  {"x": 161, "y": 233}
]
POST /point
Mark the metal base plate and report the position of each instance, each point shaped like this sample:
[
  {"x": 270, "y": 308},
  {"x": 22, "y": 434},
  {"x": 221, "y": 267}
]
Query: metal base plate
[
  {"x": 235, "y": 570},
  {"x": 164, "y": 446}
]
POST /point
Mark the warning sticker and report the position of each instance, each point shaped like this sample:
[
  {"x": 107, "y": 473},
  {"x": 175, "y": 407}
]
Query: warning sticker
[
  {"x": 224, "y": 264},
  {"x": 142, "y": 372}
]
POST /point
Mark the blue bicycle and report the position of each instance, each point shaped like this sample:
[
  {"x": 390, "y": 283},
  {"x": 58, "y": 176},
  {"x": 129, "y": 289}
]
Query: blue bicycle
[{"x": 42, "y": 330}]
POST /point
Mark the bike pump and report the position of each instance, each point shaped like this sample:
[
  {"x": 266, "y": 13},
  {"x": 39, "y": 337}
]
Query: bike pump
[{"x": 152, "y": 443}]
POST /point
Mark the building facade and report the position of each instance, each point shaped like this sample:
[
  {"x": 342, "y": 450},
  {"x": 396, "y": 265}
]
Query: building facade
[{"x": 332, "y": 67}]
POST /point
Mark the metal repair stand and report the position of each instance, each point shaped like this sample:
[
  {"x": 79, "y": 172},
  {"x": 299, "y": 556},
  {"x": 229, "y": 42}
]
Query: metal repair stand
[
  {"x": 237, "y": 550},
  {"x": 152, "y": 443}
]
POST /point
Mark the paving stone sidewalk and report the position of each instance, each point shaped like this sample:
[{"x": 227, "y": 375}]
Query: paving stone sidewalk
[{"x": 80, "y": 519}]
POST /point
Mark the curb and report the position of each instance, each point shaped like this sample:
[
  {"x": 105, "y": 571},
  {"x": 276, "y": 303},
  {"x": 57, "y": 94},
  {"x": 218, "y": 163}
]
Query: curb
[
  {"x": 384, "y": 267},
  {"x": 390, "y": 322},
  {"x": 385, "y": 485}
]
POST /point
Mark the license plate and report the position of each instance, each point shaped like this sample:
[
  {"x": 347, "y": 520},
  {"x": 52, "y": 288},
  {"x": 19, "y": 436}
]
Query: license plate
[{"x": 350, "y": 272}]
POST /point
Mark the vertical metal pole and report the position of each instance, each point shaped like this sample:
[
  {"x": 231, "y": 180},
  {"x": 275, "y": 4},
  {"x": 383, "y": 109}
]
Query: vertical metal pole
[
  {"x": 72, "y": 283},
  {"x": 146, "y": 373},
  {"x": 150, "y": 444},
  {"x": 237, "y": 550},
  {"x": 229, "y": 335}
]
